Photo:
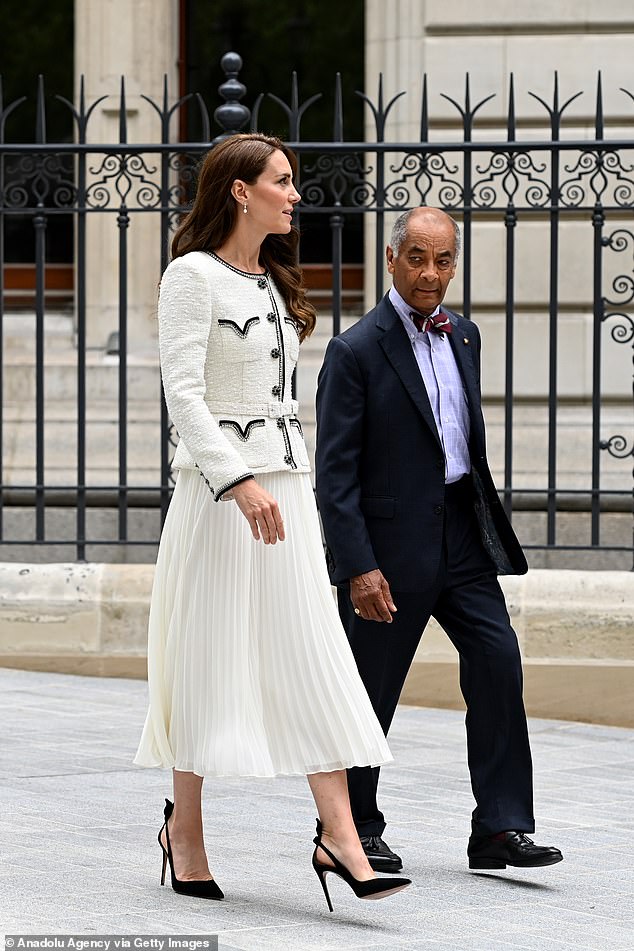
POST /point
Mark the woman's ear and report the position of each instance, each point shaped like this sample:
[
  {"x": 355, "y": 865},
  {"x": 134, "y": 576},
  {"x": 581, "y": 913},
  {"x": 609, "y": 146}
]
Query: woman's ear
[{"x": 239, "y": 191}]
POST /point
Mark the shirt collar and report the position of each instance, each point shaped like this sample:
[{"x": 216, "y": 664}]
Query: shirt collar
[{"x": 404, "y": 310}]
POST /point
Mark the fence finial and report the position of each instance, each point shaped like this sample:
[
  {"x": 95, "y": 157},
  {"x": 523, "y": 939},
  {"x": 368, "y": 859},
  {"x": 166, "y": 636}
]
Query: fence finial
[{"x": 231, "y": 116}]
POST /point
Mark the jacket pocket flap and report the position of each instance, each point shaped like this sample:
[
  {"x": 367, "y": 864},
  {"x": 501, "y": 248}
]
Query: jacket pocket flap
[{"x": 378, "y": 506}]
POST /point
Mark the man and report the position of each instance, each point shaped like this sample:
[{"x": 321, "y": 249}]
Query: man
[{"x": 414, "y": 529}]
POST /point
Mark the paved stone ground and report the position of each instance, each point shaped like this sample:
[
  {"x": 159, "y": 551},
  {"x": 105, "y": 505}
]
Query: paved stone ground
[{"x": 79, "y": 853}]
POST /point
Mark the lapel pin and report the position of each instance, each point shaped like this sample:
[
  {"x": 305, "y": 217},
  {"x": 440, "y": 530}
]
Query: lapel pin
[{"x": 465, "y": 340}]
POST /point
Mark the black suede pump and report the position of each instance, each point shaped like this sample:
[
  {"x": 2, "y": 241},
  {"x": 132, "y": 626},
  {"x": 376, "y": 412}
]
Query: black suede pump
[
  {"x": 372, "y": 888},
  {"x": 203, "y": 889}
]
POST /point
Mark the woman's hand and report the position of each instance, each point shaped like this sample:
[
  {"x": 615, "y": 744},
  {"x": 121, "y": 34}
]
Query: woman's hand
[{"x": 260, "y": 510}]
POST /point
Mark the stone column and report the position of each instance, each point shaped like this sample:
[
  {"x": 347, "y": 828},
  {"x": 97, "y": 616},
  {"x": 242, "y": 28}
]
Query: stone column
[{"x": 138, "y": 40}]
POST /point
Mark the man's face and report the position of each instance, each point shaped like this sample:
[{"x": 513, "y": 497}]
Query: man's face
[{"x": 425, "y": 262}]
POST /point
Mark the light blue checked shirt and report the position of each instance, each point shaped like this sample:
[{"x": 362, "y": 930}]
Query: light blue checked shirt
[{"x": 445, "y": 390}]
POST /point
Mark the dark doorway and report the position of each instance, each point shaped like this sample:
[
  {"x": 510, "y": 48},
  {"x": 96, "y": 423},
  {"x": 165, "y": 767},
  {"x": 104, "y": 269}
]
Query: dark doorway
[
  {"x": 314, "y": 38},
  {"x": 36, "y": 39}
]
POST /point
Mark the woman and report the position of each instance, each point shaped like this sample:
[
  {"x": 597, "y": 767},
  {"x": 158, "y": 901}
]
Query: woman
[{"x": 249, "y": 669}]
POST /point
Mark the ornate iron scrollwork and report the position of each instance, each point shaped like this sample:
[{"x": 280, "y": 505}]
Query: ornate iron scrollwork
[
  {"x": 511, "y": 178},
  {"x": 621, "y": 331},
  {"x": 337, "y": 180},
  {"x": 127, "y": 175},
  {"x": 598, "y": 176},
  {"x": 426, "y": 178},
  {"x": 38, "y": 181}
]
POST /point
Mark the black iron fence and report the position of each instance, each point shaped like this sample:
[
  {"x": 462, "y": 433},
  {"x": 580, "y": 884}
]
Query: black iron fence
[{"x": 573, "y": 189}]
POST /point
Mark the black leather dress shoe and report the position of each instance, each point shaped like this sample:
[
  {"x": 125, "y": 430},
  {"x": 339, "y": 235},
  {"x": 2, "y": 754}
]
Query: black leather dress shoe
[
  {"x": 380, "y": 855},
  {"x": 514, "y": 849}
]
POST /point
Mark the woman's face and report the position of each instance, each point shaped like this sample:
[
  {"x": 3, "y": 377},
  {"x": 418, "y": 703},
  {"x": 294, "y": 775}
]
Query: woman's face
[{"x": 271, "y": 199}]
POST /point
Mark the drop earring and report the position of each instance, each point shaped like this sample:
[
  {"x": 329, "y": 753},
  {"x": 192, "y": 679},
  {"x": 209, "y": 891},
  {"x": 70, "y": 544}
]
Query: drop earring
[{"x": 244, "y": 208}]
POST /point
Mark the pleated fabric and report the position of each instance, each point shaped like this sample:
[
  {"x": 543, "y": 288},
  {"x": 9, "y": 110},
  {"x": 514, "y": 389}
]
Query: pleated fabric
[{"x": 250, "y": 672}]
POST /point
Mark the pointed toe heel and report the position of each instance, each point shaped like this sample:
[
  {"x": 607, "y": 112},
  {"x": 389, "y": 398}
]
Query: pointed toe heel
[
  {"x": 207, "y": 888},
  {"x": 373, "y": 888}
]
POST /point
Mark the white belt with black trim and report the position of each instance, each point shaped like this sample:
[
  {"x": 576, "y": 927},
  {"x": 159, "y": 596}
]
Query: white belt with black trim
[{"x": 272, "y": 410}]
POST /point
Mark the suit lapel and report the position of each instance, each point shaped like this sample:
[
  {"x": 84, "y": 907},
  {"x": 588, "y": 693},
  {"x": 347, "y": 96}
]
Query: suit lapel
[
  {"x": 398, "y": 350},
  {"x": 462, "y": 348}
]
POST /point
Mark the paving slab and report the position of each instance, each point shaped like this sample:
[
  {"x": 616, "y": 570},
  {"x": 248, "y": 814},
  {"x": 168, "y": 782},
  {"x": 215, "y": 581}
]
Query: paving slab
[{"x": 79, "y": 852}]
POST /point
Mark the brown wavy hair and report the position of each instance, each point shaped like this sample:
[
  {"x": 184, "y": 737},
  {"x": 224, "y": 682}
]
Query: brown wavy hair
[{"x": 214, "y": 213}]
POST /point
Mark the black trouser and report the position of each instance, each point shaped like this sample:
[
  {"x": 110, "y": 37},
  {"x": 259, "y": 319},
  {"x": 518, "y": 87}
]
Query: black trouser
[{"x": 467, "y": 601}]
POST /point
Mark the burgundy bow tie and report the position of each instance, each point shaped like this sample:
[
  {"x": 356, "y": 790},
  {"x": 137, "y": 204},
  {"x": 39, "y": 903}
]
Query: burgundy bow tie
[{"x": 438, "y": 324}]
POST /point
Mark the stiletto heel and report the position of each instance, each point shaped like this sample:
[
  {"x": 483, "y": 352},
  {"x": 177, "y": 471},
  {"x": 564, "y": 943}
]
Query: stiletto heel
[
  {"x": 371, "y": 888},
  {"x": 203, "y": 889},
  {"x": 322, "y": 878}
]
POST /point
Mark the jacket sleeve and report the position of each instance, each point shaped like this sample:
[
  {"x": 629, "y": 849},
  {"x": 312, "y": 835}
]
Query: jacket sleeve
[
  {"x": 340, "y": 424},
  {"x": 184, "y": 314}
]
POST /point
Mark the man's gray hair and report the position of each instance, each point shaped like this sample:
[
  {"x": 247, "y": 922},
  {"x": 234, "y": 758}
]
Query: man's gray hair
[{"x": 399, "y": 232}]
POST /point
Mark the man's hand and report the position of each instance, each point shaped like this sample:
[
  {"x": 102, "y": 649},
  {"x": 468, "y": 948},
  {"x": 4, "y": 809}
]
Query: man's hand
[
  {"x": 371, "y": 597},
  {"x": 260, "y": 510}
]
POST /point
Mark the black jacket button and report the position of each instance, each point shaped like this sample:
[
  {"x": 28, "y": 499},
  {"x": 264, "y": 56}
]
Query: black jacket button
[
  {"x": 275, "y": 391},
  {"x": 438, "y": 509},
  {"x": 275, "y": 353},
  {"x": 280, "y": 424},
  {"x": 270, "y": 316}
]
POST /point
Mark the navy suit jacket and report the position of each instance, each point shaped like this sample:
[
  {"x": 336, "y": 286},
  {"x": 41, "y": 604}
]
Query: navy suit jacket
[{"x": 380, "y": 468}]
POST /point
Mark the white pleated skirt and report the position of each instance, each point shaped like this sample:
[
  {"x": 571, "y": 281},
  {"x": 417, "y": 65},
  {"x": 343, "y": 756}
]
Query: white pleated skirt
[{"x": 250, "y": 671}]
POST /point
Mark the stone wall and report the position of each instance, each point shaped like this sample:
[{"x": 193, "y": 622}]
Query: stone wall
[{"x": 575, "y": 629}]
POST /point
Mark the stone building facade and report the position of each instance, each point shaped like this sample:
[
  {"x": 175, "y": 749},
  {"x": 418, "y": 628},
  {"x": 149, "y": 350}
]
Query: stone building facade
[
  {"x": 491, "y": 40},
  {"x": 405, "y": 39}
]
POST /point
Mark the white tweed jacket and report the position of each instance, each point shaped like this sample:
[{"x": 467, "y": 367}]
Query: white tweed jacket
[{"x": 228, "y": 348}]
